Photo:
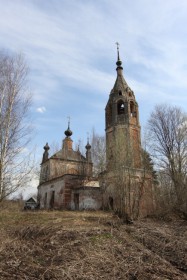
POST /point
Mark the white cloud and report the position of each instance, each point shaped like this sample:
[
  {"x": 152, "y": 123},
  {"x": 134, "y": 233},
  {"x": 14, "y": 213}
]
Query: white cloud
[
  {"x": 70, "y": 42},
  {"x": 41, "y": 109}
]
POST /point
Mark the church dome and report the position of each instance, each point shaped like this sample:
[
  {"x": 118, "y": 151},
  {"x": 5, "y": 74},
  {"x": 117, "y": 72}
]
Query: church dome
[
  {"x": 88, "y": 146},
  {"x": 68, "y": 132}
]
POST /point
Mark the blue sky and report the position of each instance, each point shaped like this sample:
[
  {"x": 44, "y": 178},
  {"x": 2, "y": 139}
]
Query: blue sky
[{"x": 70, "y": 48}]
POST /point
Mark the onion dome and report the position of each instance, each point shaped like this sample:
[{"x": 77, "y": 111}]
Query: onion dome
[
  {"x": 88, "y": 146},
  {"x": 119, "y": 63},
  {"x": 45, "y": 154},
  {"x": 68, "y": 131},
  {"x": 46, "y": 147}
]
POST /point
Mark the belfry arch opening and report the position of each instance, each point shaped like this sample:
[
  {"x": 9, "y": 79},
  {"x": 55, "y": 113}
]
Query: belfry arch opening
[
  {"x": 132, "y": 109},
  {"x": 121, "y": 107}
]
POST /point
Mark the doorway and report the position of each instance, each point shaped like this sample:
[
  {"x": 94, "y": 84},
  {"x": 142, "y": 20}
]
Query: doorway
[
  {"x": 111, "y": 203},
  {"x": 76, "y": 201},
  {"x": 52, "y": 199}
]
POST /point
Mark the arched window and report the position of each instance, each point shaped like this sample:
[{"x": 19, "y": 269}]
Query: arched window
[
  {"x": 132, "y": 109},
  {"x": 46, "y": 173},
  {"x": 120, "y": 92},
  {"x": 45, "y": 200},
  {"x": 121, "y": 107},
  {"x": 111, "y": 202}
]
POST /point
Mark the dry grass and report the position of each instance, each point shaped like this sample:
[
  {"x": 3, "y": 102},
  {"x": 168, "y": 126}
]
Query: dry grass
[{"x": 89, "y": 245}]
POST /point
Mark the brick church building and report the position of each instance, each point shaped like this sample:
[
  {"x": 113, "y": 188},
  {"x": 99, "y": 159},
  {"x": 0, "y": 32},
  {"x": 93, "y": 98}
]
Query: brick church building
[{"x": 66, "y": 179}]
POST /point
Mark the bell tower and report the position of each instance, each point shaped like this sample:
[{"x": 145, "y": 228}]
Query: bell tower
[{"x": 123, "y": 144}]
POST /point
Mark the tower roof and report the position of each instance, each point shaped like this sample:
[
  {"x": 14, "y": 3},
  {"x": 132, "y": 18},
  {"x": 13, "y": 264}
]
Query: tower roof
[{"x": 120, "y": 83}]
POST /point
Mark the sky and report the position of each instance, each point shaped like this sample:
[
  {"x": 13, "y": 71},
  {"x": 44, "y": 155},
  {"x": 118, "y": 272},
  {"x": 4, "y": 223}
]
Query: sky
[{"x": 70, "y": 48}]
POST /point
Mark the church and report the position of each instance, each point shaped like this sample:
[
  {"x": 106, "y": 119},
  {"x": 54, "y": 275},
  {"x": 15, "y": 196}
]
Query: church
[{"x": 66, "y": 178}]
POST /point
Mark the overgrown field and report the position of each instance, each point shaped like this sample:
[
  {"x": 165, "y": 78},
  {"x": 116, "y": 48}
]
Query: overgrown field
[{"x": 89, "y": 245}]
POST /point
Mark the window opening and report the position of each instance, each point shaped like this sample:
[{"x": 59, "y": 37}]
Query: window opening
[
  {"x": 52, "y": 199},
  {"x": 46, "y": 173},
  {"x": 76, "y": 201},
  {"x": 121, "y": 108},
  {"x": 132, "y": 110},
  {"x": 111, "y": 203},
  {"x": 45, "y": 201}
]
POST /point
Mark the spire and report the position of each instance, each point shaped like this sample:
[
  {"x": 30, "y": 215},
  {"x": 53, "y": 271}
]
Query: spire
[
  {"x": 78, "y": 147},
  {"x": 46, "y": 153},
  {"x": 68, "y": 132},
  {"x": 67, "y": 142},
  {"x": 119, "y": 62},
  {"x": 88, "y": 146},
  {"x": 120, "y": 83},
  {"x": 88, "y": 151}
]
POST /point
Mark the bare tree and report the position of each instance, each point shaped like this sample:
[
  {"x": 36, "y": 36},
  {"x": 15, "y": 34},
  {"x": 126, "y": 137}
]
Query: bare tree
[
  {"x": 168, "y": 141},
  {"x": 147, "y": 164},
  {"x": 98, "y": 152},
  {"x": 54, "y": 147},
  {"x": 164, "y": 194},
  {"x": 80, "y": 146},
  {"x": 15, "y": 128}
]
